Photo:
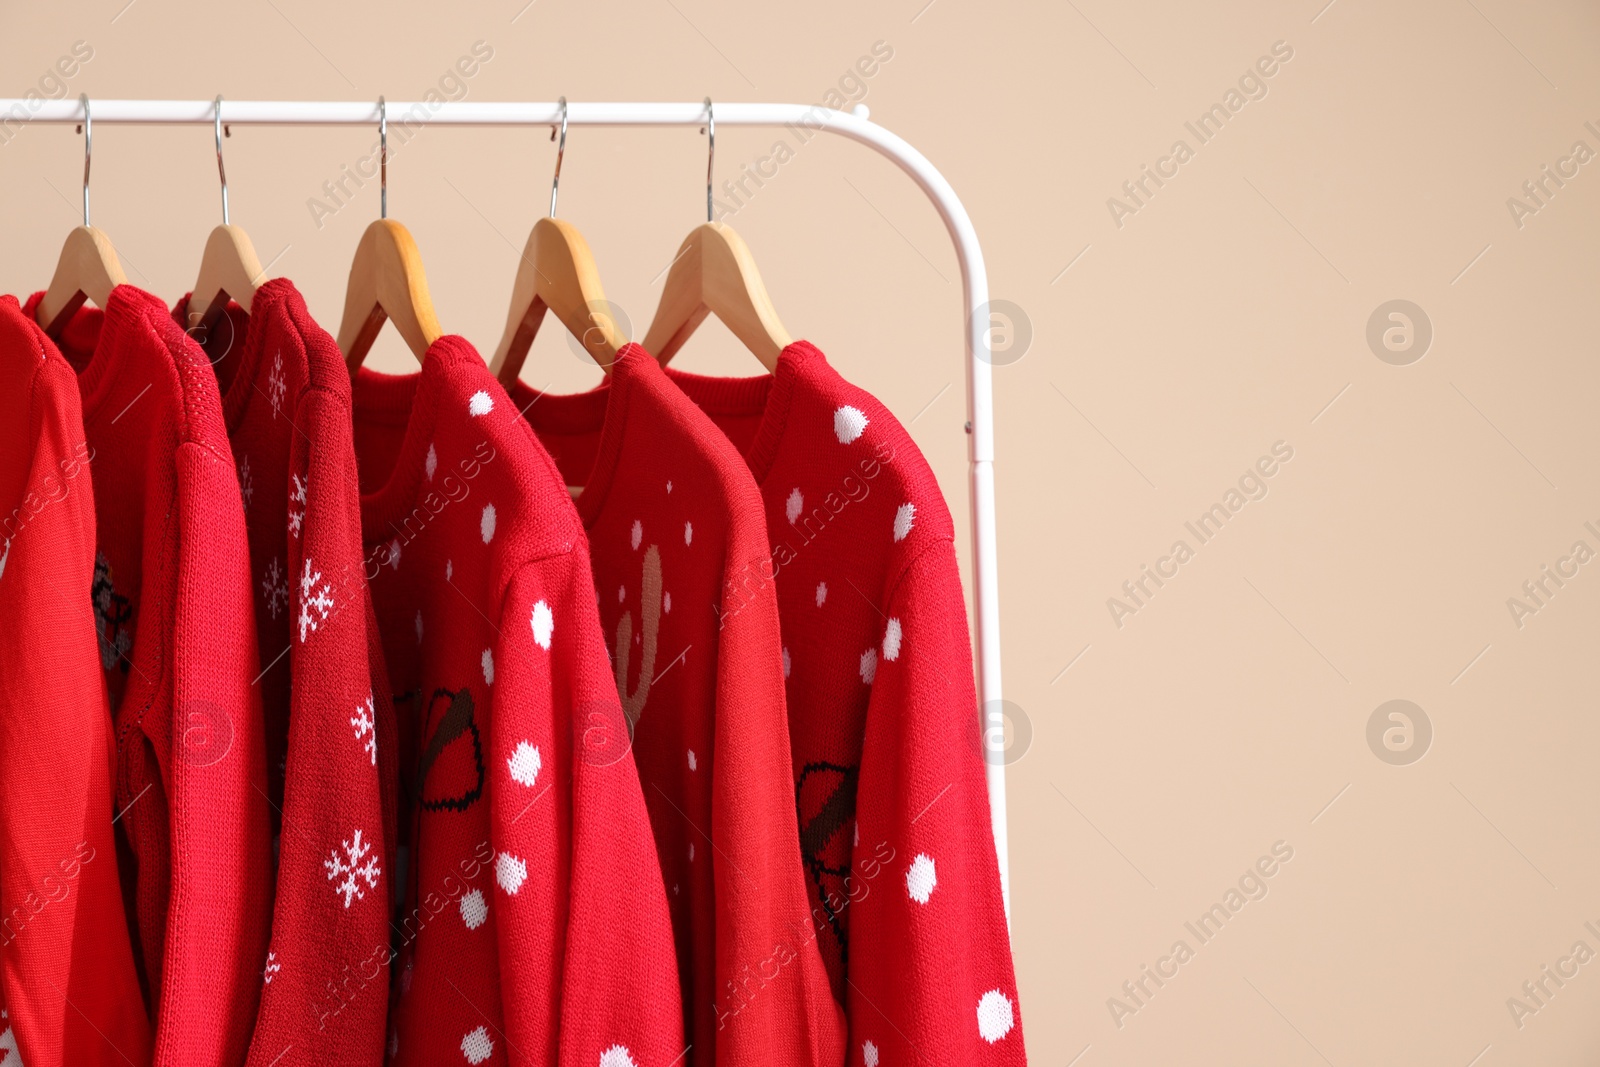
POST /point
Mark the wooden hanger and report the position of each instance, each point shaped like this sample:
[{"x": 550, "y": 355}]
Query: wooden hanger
[
  {"x": 386, "y": 279},
  {"x": 229, "y": 268},
  {"x": 558, "y": 273},
  {"x": 714, "y": 273},
  {"x": 88, "y": 267}
]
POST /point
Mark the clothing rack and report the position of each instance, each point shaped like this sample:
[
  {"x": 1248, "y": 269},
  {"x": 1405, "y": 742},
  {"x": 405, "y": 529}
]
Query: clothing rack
[{"x": 853, "y": 125}]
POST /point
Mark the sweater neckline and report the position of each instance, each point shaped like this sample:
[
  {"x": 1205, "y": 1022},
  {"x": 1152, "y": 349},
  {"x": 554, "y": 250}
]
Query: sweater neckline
[
  {"x": 85, "y": 333},
  {"x": 769, "y": 395},
  {"x": 607, "y": 404},
  {"x": 410, "y": 400},
  {"x": 242, "y": 386}
]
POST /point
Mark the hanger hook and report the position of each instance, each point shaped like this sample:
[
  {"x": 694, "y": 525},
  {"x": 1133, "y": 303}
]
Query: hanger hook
[
  {"x": 561, "y": 150},
  {"x": 711, "y": 154},
  {"x": 221, "y": 173},
  {"x": 383, "y": 158},
  {"x": 88, "y": 139}
]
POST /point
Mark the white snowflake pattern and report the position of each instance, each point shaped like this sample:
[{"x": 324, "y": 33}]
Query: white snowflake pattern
[
  {"x": 363, "y": 723},
  {"x": 350, "y": 867},
  {"x": 247, "y": 486},
  {"x": 617, "y": 1056},
  {"x": 10, "y": 1055},
  {"x": 313, "y": 599},
  {"x": 276, "y": 385},
  {"x": 273, "y": 967},
  {"x": 275, "y": 588},
  {"x": 297, "y": 496}
]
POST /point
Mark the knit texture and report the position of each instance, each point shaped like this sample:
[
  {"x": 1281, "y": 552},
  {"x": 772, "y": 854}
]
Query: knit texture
[
  {"x": 68, "y": 991},
  {"x": 675, "y": 525},
  {"x": 536, "y": 928},
  {"x": 332, "y": 762},
  {"x": 883, "y": 716},
  {"x": 177, "y": 641}
]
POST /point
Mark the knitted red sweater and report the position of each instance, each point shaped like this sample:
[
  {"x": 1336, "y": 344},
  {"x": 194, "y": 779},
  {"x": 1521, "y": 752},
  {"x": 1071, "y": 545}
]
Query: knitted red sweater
[
  {"x": 675, "y": 523},
  {"x": 63, "y": 938},
  {"x": 286, "y": 399},
  {"x": 889, "y": 782},
  {"x": 536, "y": 929},
  {"x": 177, "y": 641}
]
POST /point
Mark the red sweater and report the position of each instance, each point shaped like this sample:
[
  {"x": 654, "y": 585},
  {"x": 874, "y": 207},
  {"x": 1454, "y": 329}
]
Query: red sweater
[
  {"x": 63, "y": 938},
  {"x": 674, "y": 520},
  {"x": 172, "y": 603},
  {"x": 286, "y": 400},
  {"x": 883, "y": 716},
  {"x": 536, "y": 929}
]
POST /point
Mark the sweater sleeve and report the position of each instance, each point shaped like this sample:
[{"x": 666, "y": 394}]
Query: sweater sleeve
[
  {"x": 213, "y": 759},
  {"x": 930, "y": 957},
  {"x": 63, "y": 939},
  {"x": 586, "y": 953},
  {"x": 326, "y": 980}
]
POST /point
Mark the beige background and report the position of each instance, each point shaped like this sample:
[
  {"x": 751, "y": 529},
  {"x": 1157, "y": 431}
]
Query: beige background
[{"x": 1228, "y": 313}]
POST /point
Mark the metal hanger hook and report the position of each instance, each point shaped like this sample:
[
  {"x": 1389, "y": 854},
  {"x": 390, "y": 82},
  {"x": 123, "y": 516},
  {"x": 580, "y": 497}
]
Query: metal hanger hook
[
  {"x": 221, "y": 173},
  {"x": 88, "y": 140},
  {"x": 383, "y": 158},
  {"x": 711, "y": 154},
  {"x": 561, "y": 150}
]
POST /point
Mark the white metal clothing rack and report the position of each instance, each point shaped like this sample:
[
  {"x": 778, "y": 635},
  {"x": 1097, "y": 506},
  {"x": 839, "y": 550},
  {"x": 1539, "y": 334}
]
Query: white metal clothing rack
[{"x": 855, "y": 126}]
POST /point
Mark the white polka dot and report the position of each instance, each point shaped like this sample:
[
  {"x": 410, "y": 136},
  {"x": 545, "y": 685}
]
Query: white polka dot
[
  {"x": 891, "y": 640},
  {"x": 666, "y": 603},
  {"x": 848, "y": 424},
  {"x": 869, "y": 1054},
  {"x": 431, "y": 464},
  {"x": 786, "y": 663},
  {"x": 691, "y": 851},
  {"x": 477, "y": 1046},
  {"x": 692, "y": 765},
  {"x": 905, "y": 516},
  {"x": 617, "y": 1056},
  {"x": 622, "y": 593},
  {"x": 486, "y": 524},
  {"x": 524, "y": 764},
  {"x": 688, "y": 532},
  {"x": 869, "y": 665},
  {"x": 419, "y": 627},
  {"x": 474, "y": 909},
  {"x": 994, "y": 1016},
  {"x": 488, "y": 666},
  {"x": 822, "y": 593},
  {"x": 482, "y": 403},
  {"x": 669, "y": 485},
  {"x": 543, "y": 623},
  {"x": 394, "y": 554},
  {"x": 510, "y": 872},
  {"x": 794, "y": 505},
  {"x": 449, "y": 570},
  {"x": 638, "y": 533},
  {"x": 921, "y": 878}
]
